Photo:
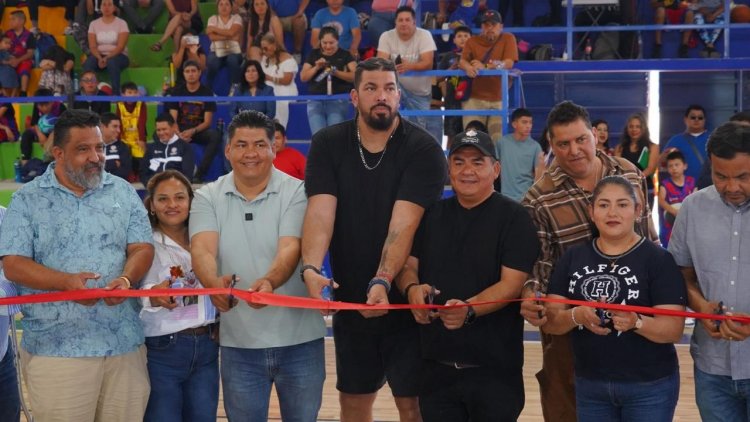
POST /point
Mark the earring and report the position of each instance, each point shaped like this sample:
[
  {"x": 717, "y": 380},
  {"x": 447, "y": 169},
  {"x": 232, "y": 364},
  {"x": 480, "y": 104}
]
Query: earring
[{"x": 153, "y": 213}]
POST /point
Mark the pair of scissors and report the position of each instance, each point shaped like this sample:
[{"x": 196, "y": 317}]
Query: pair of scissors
[
  {"x": 431, "y": 301},
  {"x": 719, "y": 311},
  {"x": 326, "y": 293},
  {"x": 232, "y": 300}
]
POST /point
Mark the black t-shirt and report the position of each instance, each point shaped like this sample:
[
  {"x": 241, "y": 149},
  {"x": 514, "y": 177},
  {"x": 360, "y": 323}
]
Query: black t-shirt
[
  {"x": 461, "y": 252},
  {"x": 646, "y": 276},
  {"x": 412, "y": 169},
  {"x": 98, "y": 107},
  {"x": 190, "y": 113},
  {"x": 339, "y": 59}
]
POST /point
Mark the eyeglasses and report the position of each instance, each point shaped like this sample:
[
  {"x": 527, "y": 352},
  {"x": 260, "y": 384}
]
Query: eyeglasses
[
  {"x": 87, "y": 80},
  {"x": 696, "y": 117}
]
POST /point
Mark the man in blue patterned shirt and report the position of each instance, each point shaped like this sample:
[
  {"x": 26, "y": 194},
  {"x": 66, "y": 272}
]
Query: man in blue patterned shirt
[{"x": 77, "y": 227}]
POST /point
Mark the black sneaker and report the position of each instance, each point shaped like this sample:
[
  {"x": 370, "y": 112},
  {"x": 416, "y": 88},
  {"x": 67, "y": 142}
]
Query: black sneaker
[
  {"x": 656, "y": 52},
  {"x": 683, "y": 51}
]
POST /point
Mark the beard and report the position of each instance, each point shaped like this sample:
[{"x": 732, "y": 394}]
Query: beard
[
  {"x": 80, "y": 176},
  {"x": 380, "y": 120},
  {"x": 490, "y": 36}
]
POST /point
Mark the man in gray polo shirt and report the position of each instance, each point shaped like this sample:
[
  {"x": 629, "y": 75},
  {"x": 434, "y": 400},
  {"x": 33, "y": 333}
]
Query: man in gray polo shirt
[
  {"x": 249, "y": 223},
  {"x": 710, "y": 241}
]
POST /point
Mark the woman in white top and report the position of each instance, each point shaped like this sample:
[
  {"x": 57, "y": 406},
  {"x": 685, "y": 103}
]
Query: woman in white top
[
  {"x": 182, "y": 354},
  {"x": 225, "y": 32},
  {"x": 108, "y": 39},
  {"x": 280, "y": 68}
]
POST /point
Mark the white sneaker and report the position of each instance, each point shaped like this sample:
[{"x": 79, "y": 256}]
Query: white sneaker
[{"x": 690, "y": 322}]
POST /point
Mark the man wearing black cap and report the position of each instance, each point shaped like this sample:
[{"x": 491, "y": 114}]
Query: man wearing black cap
[
  {"x": 475, "y": 247},
  {"x": 491, "y": 49}
]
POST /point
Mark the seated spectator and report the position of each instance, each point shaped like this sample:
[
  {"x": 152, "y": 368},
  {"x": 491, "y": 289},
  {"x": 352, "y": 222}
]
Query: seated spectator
[
  {"x": 521, "y": 157},
  {"x": 8, "y": 126},
  {"x": 459, "y": 12},
  {"x": 671, "y": 12},
  {"x": 253, "y": 84},
  {"x": 674, "y": 189},
  {"x": 43, "y": 118},
  {"x": 194, "y": 118},
  {"x": 328, "y": 70},
  {"x": 108, "y": 38},
  {"x": 56, "y": 66},
  {"x": 291, "y": 13},
  {"x": 8, "y": 75},
  {"x": 554, "y": 17},
  {"x": 22, "y": 48},
  {"x": 288, "y": 160},
  {"x": 90, "y": 87},
  {"x": 190, "y": 50},
  {"x": 709, "y": 11},
  {"x": 601, "y": 129},
  {"x": 412, "y": 49},
  {"x": 280, "y": 68},
  {"x": 69, "y": 5},
  {"x": 637, "y": 147},
  {"x": 346, "y": 22},
  {"x": 143, "y": 25},
  {"x": 117, "y": 157},
  {"x": 262, "y": 21},
  {"x": 242, "y": 8},
  {"x": 168, "y": 153},
  {"x": 453, "y": 125},
  {"x": 383, "y": 17},
  {"x": 183, "y": 15},
  {"x": 133, "y": 116},
  {"x": 225, "y": 32},
  {"x": 491, "y": 49}
]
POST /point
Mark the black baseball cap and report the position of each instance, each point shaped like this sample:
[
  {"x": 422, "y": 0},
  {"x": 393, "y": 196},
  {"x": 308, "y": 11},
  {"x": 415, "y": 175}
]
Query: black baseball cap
[
  {"x": 491, "y": 16},
  {"x": 476, "y": 139}
]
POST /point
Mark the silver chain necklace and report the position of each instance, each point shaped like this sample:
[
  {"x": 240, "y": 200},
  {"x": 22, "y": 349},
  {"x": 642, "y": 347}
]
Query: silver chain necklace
[{"x": 362, "y": 154}]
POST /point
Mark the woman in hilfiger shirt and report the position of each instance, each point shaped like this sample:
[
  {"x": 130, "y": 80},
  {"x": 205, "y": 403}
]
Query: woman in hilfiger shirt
[{"x": 626, "y": 366}]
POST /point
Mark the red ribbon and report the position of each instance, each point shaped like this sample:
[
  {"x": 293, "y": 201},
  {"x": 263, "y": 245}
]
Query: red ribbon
[{"x": 310, "y": 303}]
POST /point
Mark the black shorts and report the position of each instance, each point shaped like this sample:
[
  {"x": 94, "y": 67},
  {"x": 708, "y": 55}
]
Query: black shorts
[{"x": 370, "y": 352}]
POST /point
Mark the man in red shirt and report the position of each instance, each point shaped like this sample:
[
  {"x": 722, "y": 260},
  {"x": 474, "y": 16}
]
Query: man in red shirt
[{"x": 288, "y": 160}]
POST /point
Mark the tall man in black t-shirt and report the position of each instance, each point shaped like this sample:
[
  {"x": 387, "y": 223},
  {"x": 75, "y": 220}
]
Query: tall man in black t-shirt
[
  {"x": 369, "y": 181},
  {"x": 477, "y": 246},
  {"x": 194, "y": 118}
]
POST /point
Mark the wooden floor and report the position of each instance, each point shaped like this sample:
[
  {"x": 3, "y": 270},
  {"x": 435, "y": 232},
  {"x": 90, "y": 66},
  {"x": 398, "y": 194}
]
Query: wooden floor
[{"x": 385, "y": 409}]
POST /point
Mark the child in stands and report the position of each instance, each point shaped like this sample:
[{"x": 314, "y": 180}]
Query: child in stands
[
  {"x": 22, "y": 48},
  {"x": 8, "y": 76},
  {"x": 43, "y": 119},
  {"x": 674, "y": 190},
  {"x": 133, "y": 116},
  {"x": 453, "y": 125}
]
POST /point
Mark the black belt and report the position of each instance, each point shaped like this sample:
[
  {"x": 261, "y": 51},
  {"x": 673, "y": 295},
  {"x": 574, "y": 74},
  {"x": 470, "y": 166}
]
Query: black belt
[
  {"x": 197, "y": 331},
  {"x": 458, "y": 365}
]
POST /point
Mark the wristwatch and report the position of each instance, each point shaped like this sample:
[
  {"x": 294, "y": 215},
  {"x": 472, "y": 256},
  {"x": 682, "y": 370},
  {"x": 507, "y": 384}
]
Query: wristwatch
[
  {"x": 638, "y": 322},
  {"x": 471, "y": 315}
]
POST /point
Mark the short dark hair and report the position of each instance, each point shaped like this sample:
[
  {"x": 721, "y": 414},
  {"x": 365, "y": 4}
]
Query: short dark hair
[
  {"x": 191, "y": 63},
  {"x": 44, "y": 92},
  {"x": 328, "y": 30},
  {"x": 154, "y": 182},
  {"x": 597, "y": 122},
  {"x": 565, "y": 113},
  {"x": 406, "y": 9},
  {"x": 279, "y": 128},
  {"x": 461, "y": 28},
  {"x": 18, "y": 13},
  {"x": 79, "y": 118},
  {"x": 372, "y": 64},
  {"x": 742, "y": 116},
  {"x": 107, "y": 117},
  {"x": 251, "y": 119},
  {"x": 728, "y": 140},
  {"x": 692, "y": 107},
  {"x": 129, "y": 86},
  {"x": 616, "y": 180},
  {"x": 518, "y": 113},
  {"x": 165, "y": 117},
  {"x": 676, "y": 155},
  {"x": 476, "y": 125}
]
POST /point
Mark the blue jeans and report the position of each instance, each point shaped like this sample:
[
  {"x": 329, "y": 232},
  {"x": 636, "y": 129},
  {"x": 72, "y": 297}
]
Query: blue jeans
[
  {"x": 720, "y": 398},
  {"x": 297, "y": 371},
  {"x": 10, "y": 403},
  {"x": 115, "y": 66},
  {"x": 184, "y": 373},
  {"x": 611, "y": 401},
  {"x": 379, "y": 23},
  {"x": 322, "y": 114},
  {"x": 433, "y": 125},
  {"x": 231, "y": 61}
]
